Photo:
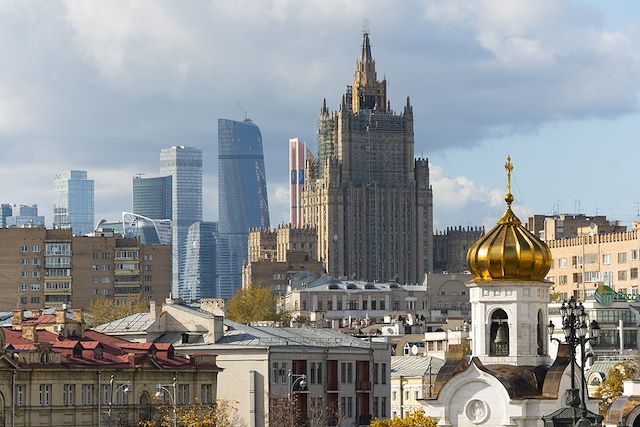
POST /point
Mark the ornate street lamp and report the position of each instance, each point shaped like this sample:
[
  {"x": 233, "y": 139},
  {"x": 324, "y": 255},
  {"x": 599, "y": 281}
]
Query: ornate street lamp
[
  {"x": 126, "y": 388},
  {"x": 164, "y": 388},
  {"x": 577, "y": 332},
  {"x": 298, "y": 385}
]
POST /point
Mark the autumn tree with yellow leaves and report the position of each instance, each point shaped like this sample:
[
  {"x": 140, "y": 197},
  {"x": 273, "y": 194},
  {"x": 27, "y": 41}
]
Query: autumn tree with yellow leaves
[{"x": 414, "y": 419}]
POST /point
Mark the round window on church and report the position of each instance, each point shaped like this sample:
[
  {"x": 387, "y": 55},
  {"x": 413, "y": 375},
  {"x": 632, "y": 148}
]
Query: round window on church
[{"x": 477, "y": 411}]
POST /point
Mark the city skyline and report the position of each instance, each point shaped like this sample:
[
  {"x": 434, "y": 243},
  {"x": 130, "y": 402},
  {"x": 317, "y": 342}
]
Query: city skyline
[{"x": 533, "y": 80}]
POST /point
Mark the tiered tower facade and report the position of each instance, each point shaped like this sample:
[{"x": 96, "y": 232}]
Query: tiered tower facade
[{"x": 367, "y": 196}]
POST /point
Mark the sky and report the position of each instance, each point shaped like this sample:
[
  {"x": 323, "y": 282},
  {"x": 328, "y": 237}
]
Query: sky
[{"x": 103, "y": 86}]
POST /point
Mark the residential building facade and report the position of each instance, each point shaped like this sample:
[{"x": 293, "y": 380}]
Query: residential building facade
[
  {"x": 412, "y": 379},
  {"x": 184, "y": 165},
  {"x": 581, "y": 264},
  {"x": 48, "y": 268},
  {"x": 73, "y": 205},
  {"x": 366, "y": 195},
  {"x": 276, "y": 274},
  {"x": 242, "y": 196},
  {"x": 560, "y": 226},
  {"x": 348, "y": 378},
  {"x": 152, "y": 196},
  {"x": 298, "y": 155},
  {"x": 55, "y": 373}
]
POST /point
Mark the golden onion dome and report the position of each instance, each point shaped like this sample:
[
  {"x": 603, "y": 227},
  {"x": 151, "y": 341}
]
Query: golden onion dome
[{"x": 509, "y": 252}]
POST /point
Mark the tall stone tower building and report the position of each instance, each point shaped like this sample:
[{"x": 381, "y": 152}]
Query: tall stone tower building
[{"x": 367, "y": 196}]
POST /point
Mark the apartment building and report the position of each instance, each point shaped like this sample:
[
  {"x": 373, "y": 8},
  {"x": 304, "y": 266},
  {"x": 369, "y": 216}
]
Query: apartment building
[
  {"x": 55, "y": 373},
  {"x": 348, "y": 379},
  {"x": 581, "y": 263},
  {"x": 47, "y": 268}
]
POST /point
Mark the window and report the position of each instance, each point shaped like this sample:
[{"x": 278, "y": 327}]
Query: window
[
  {"x": 406, "y": 395},
  {"x": 633, "y": 273},
  {"x": 349, "y": 407},
  {"x": 633, "y": 254},
  {"x": 375, "y": 406},
  {"x": 24, "y": 261},
  {"x": 416, "y": 394},
  {"x": 374, "y": 304},
  {"x": 319, "y": 373},
  {"x": 562, "y": 263},
  {"x": 622, "y": 257},
  {"x": 383, "y": 409},
  {"x": 95, "y": 267},
  {"x": 105, "y": 393},
  {"x": 35, "y": 287},
  {"x": 20, "y": 394},
  {"x": 343, "y": 372},
  {"x": 148, "y": 267},
  {"x": 44, "y": 394},
  {"x": 106, "y": 291},
  {"x": 58, "y": 249},
  {"x": 383, "y": 374},
  {"x": 274, "y": 372},
  {"x": 577, "y": 277},
  {"x": 23, "y": 300},
  {"x": 283, "y": 372},
  {"x": 148, "y": 257},
  {"x": 343, "y": 406},
  {"x": 352, "y": 305},
  {"x": 576, "y": 260},
  {"x": 394, "y": 396},
  {"x": 562, "y": 280},
  {"x": 591, "y": 258},
  {"x": 382, "y": 305},
  {"x": 87, "y": 394},
  {"x": 443, "y": 293},
  {"x": 312, "y": 377},
  {"x": 35, "y": 261},
  {"x": 634, "y": 290},
  {"x": 106, "y": 267},
  {"x": 606, "y": 259},
  {"x": 183, "y": 393},
  {"x": 24, "y": 248},
  {"x": 148, "y": 288},
  {"x": 35, "y": 248},
  {"x": 340, "y": 304},
  {"x": 319, "y": 305},
  {"x": 35, "y": 274},
  {"x": 24, "y": 287},
  {"x": 68, "y": 390},
  {"x": 35, "y": 300},
  {"x": 206, "y": 393},
  {"x": 120, "y": 397},
  {"x": 350, "y": 373},
  {"x": 148, "y": 278},
  {"x": 622, "y": 274},
  {"x": 24, "y": 274},
  {"x": 105, "y": 280},
  {"x": 396, "y": 305},
  {"x": 375, "y": 373}
]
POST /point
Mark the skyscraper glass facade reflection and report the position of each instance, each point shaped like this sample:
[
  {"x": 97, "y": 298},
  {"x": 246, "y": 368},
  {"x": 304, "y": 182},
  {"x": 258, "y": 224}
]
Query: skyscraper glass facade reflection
[
  {"x": 200, "y": 261},
  {"x": 73, "y": 206},
  {"x": 242, "y": 193},
  {"x": 184, "y": 165},
  {"x": 152, "y": 197}
]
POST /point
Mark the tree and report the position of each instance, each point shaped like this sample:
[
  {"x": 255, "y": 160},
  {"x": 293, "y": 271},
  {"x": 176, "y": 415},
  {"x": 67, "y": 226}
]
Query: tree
[
  {"x": 254, "y": 304},
  {"x": 611, "y": 387},
  {"x": 284, "y": 412},
  {"x": 414, "y": 419},
  {"x": 104, "y": 309},
  {"x": 221, "y": 414}
]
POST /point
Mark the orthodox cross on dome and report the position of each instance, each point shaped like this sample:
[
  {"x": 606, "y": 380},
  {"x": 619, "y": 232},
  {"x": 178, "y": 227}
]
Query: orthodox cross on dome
[{"x": 508, "y": 167}]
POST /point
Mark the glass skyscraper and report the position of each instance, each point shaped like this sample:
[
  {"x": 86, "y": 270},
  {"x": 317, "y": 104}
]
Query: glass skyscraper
[
  {"x": 73, "y": 206},
  {"x": 152, "y": 197},
  {"x": 242, "y": 193},
  {"x": 200, "y": 261},
  {"x": 184, "y": 165}
]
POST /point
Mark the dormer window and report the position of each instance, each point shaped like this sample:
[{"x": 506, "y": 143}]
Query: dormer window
[
  {"x": 97, "y": 352},
  {"x": 77, "y": 351}
]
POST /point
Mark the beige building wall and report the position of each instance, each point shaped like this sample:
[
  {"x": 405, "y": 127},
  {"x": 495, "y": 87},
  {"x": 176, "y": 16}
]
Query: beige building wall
[
  {"x": 47, "y": 268},
  {"x": 276, "y": 275},
  {"x": 581, "y": 263}
]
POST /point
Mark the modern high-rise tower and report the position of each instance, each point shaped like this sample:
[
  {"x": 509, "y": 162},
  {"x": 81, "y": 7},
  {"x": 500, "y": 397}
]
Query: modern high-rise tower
[
  {"x": 184, "y": 165},
  {"x": 367, "y": 196},
  {"x": 242, "y": 193},
  {"x": 73, "y": 206},
  {"x": 152, "y": 196},
  {"x": 200, "y": 263},
  {"x": 298, "y": 155}
]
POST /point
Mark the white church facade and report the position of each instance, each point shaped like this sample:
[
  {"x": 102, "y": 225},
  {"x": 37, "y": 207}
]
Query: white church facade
[{"x": 510, "y": 380}]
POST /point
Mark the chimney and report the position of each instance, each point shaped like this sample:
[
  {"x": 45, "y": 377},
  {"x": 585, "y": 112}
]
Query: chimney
[
  {"x": 36, "y": 312},
  {"x": 153, "y": 310},
  {"x": 16, "y": 320},
  {"x": 61, "y": 316},
  {"x": 77, "y": 315},
  {"x": 29, "y": 332}
]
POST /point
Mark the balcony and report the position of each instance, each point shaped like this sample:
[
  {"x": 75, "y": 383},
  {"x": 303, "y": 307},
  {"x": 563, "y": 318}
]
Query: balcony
[
  {"x": 127, "y": 272},
  {"x": 363, "y": 386}
]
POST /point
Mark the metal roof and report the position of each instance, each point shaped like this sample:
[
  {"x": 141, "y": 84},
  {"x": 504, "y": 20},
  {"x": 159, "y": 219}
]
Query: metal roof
[
  {"x": 138, "y": 322},
  {"x": 414, "y": 366}
]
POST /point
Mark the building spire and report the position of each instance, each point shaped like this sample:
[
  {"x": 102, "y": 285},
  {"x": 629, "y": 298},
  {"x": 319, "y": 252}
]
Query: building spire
[{"x": 365, "y": 54}]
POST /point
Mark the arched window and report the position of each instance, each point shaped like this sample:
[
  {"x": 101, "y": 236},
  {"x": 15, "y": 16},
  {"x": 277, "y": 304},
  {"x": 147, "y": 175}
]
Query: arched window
[
  {"x": 499, "y": 334},
  {"x": 540, "y": 333},
  {"x": 145, "y": 407}
]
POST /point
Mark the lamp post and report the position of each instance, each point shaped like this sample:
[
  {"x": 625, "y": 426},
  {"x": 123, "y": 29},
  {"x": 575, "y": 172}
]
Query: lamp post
[
  {"x": 577, "y": 333},
  {"x": 126, "y": 388},
  {"x": 301, "y": 381},
  {"x": 164, "y": 388}
]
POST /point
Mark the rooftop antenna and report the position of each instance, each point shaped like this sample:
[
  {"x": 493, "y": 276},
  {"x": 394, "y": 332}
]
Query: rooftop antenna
[
  {"x": 637, "y": 208},
  {"x": 365, "y": 26},
  {"x": 243, "y": 111}
]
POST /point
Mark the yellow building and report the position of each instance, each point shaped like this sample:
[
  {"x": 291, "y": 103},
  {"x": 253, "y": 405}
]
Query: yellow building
[{"x": 412, "y": 379}]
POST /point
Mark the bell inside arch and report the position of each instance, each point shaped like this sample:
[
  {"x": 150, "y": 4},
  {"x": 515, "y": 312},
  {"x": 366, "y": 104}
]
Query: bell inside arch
[{"x": 502, "y": 336}]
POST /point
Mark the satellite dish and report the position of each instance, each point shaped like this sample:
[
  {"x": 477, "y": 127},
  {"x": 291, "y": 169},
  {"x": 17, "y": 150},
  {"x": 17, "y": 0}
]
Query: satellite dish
[{"x": 414, "y": 350}]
